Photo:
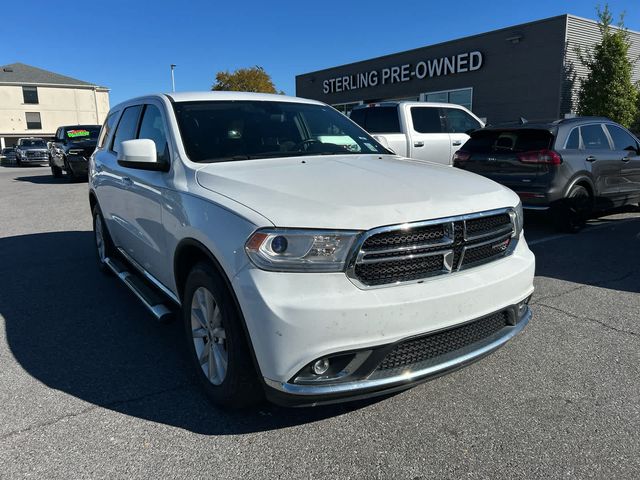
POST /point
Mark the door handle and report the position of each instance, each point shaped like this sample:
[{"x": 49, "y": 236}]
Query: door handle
[
  {"x": 591, "y": 158},
  {"x": 127, "y": 181},
  {"x": 418, "y": 144},
  {"x": 457, "y": 143}
]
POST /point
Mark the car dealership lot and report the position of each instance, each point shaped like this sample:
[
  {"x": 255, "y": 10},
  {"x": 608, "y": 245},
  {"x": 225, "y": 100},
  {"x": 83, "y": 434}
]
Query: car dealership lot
[{"x": 93, "y": 387}]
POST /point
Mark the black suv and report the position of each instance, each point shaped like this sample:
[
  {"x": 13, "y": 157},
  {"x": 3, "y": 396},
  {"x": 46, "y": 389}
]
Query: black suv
[
  {"x": 568, "y": 167},
  {"x": 71, "y": 149}
]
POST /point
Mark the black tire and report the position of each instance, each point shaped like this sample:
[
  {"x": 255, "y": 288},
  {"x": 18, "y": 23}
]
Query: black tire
[
  {"x": 108, "y": 244},
  {"x": 68, "y": 172},
  {"x": 55, "y": 171},
  {"x": 240, "y": 387},
  {"x": 18, "y": 162},
  {"x": 572, "y": 213}
]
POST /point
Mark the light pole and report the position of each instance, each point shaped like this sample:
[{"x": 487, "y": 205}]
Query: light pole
[{"x": 173, "y": 80}]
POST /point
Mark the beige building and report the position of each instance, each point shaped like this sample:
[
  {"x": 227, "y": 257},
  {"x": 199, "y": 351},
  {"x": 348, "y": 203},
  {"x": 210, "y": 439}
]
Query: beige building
[{"x": 35, "y": 102}]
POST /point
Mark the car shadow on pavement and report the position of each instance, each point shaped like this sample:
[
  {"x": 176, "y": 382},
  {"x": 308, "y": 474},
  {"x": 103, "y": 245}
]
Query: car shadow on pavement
[
  {"x": 82, "y": 332},
  {"x": 605, "y": 254},
  {"x": 43, "y": 180}
]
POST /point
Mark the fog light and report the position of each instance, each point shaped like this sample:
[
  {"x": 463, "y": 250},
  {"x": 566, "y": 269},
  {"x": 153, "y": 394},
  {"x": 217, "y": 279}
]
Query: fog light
[{"x": 321, "y": 366}]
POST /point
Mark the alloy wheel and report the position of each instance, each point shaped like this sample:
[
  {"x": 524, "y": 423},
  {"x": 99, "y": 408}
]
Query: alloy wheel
[
  {"x": 209, "y": 336},
  {"x": 100, "y": 244}
]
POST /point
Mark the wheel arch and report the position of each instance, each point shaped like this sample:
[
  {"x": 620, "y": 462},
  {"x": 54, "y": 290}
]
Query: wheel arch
[
  {"x": 187, "y": 254},
  {"x": 584, "y": 181}
]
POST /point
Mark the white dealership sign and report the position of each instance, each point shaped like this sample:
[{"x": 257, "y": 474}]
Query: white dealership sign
[{"x": 463, "y": 62}]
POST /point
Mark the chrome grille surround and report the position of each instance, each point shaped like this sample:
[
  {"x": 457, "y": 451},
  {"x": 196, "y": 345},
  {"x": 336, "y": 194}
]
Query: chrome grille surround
[{"x": 456, "y": 242}]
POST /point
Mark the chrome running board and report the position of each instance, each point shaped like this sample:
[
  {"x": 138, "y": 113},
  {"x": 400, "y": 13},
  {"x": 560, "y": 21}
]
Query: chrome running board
[{"x": 149, "y": 298}]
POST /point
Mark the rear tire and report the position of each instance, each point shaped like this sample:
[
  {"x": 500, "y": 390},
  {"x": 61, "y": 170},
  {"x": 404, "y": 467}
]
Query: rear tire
[
  {"x": 572, "y": 213},
  {"x": 104, "y": 246},
  {"x": 216, "y": 342}
]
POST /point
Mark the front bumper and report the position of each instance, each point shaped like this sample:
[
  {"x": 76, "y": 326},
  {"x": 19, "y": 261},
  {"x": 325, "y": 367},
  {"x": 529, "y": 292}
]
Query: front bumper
[
  {"x": 296, "y": 318},
  {"x": 291, "y": 394},
  {"x": 37, "y": 159}
]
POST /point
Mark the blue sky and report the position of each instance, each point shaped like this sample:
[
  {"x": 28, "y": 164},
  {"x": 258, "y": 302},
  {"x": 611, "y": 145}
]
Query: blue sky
[{"x": 128, "y": 46}]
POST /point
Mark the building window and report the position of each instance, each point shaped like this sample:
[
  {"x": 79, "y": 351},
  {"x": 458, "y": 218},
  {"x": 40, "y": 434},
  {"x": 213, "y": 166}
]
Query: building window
[
  {"x": 461, "y": 96},
  {"x": 33, "y": 121},
  {"x": 30, "y": 95}
]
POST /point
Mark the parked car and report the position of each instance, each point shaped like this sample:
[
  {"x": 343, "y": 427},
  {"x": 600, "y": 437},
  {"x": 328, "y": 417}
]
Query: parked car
[
  {"x": 71, "y": 148},
  {"x": 8, "y": 155},
  {"x": 569, "y": 167},
  {"x": 308, "y": 263},
  {"x": 420, "y": 130},
  {"x": 31, "y": 150}
]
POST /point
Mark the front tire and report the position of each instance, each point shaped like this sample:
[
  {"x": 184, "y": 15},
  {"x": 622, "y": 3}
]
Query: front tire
[
  {"x": 68, "y": 172},
  {"x": 216, "y": 342},
  {"x": 55, "y": 171}
]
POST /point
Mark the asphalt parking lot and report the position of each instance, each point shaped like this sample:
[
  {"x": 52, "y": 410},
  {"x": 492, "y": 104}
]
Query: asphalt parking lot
[{"x": 92, "y": 387}]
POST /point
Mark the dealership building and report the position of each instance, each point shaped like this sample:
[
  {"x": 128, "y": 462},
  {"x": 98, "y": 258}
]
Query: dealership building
[{"x": 530, "y": 70}]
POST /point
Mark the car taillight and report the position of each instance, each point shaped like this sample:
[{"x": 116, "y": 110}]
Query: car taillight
[
  {"x": 549, "y": 157},
  {"x": 461, "y": 156}
]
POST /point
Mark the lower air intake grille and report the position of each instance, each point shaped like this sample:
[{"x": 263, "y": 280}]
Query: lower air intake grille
[{"x": 434, "y": 345}]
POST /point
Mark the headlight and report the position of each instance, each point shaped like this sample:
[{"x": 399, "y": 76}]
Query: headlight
[
  {"x": 298, "y": 250},
  {"x": 517, "y": 219}
]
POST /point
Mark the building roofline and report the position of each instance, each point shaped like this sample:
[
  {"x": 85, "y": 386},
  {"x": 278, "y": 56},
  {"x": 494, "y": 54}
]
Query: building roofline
[
  {"x": 446, "y": 42},
  {"x": 57, "y": 85},
  {"x": 469, "y": 37}
]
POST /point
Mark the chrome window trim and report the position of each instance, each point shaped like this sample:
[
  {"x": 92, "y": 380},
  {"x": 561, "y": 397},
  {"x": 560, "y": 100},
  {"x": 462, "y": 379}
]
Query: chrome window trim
[{"x": 356, "y": 255}]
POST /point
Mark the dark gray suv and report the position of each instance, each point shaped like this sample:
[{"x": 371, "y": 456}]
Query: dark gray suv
[{"x": 568, "y": 167}]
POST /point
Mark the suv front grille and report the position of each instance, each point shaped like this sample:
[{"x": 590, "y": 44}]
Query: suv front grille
[
  {"x": 440, "y": 343},
  {"x": 404, "y": 253}
]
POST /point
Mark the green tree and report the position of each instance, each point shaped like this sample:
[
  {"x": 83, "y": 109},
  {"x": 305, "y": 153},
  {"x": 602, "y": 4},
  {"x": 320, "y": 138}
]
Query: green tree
[
  {"x": 253, "y": 79},
  {"x": 607, "y": 89}
]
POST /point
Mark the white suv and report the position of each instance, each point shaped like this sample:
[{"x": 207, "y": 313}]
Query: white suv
[{"x": 307, "y": 261}]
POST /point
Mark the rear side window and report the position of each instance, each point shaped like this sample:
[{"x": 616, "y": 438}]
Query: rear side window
[
  {"x": 377, "y": 119},
  {"x": 459, "y": 121},
  {"x": 126, "y": 127},
  {"x": 573, "y": 142},
  {"x": 497, "y": 141},
  {"x": 152, "y": 128},
  {"x": 106, "y": 129},
  {"x": 426, "y": 120},
  {"x": 593, "y": 138},
  {"x": 622, "y": 140}
]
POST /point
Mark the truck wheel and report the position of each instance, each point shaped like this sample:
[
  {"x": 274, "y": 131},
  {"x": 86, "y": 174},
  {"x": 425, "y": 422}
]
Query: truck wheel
[
  {"x": 18, "y": 162},
  {"x": 104, "y": 246},
  {"x": 68, "y": 173},
  {"x": 55, "y": 171},
  {"x": 572, "y": 213},
  {"x": 216, "y": 342}
]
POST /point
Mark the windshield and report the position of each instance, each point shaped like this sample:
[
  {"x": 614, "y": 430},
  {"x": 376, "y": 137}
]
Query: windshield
[
  {"x": 33, "y": 143},
  {"x": 220, "y": 131},
  {"x": 82, "y": 134}
]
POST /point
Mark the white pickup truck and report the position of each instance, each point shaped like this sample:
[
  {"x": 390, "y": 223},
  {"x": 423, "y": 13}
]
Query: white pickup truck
[
  {"x": 419, "y": 130},
  {"x": 307, "y": 262}
]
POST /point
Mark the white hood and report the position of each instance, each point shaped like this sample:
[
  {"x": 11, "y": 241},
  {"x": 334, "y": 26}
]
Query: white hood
[{"x": 353, "y": 192}]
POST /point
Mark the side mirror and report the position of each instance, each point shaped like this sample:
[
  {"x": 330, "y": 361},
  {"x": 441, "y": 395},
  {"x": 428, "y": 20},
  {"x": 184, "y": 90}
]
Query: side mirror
[
  {"x": 141, "y": 154},
  {"x": 384, "y": 142}
]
